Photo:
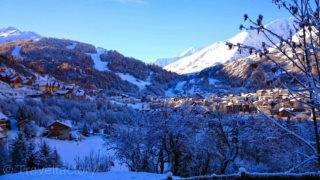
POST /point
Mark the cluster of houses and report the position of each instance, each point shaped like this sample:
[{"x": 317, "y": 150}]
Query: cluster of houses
[
  {"x": 275, "y": 102},
  {"x": 10, "y": 77},
  {"x": 279, "y": 102},
  {"x": 45, "y": 86},
  {"x": 49, "y": 89}
]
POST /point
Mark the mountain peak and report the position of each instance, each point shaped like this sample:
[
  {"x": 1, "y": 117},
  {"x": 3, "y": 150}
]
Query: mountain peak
[
  {"x": 10, "y": 34},
  {"x": 219, "y": 53},
  {"x": 162, "y": 62}
]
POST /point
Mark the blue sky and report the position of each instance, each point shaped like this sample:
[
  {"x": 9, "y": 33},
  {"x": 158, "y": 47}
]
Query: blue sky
[{"x": 144, "y": 29}]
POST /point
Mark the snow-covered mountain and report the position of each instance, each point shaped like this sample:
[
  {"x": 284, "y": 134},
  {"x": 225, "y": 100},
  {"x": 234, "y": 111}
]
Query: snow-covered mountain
[
  {"x": 162, "y": 62},
  {"x": 11, "y": 34},
  {"x": 219, "y": 52}
]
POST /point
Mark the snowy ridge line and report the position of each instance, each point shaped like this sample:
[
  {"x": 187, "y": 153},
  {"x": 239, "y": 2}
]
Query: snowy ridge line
[{"x": 218, "y": 52}]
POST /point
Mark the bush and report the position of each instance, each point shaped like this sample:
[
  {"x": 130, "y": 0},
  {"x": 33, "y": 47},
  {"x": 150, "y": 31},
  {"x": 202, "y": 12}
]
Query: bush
[{"x": 94, "y": 162}]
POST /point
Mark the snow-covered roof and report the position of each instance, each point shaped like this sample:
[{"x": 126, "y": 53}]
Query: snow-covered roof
[
  {"x": 79, "y": 92},
  {"x": 2, "y": 116},
  {"x": 285, "y": 109},
  {"x": 65, "y": 123}
]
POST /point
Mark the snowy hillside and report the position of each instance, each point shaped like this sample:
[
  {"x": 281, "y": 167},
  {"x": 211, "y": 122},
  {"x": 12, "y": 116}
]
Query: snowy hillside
[
  {"x": 11, "y": 34},
  {"x": 165, "y": 61},
  {"x": 219, "y": 52}
]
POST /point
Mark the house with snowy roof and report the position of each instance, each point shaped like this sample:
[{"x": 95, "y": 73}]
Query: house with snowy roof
[
  {"x": 16, "y": 82},
  {"x": 59, "y": 130},
  {"x": 3, "y": 136},
  {"x": 4, "y": 123}
]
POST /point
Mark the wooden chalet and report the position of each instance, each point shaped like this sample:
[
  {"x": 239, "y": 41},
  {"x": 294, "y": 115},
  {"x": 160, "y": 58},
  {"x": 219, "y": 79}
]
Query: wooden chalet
[
  {"x": 59, "y": 130},
  {"x": 4, "y": 123},
  {"x": 50, "y": 87},
  {"x": 285, "y": 113},
  {"x": 16, "y": 82},
  {"x": 31, "y": 80}
]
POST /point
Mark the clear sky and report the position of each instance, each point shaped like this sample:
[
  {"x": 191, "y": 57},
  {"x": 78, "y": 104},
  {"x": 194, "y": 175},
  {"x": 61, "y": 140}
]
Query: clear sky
[{"x": 144, "y": 29}]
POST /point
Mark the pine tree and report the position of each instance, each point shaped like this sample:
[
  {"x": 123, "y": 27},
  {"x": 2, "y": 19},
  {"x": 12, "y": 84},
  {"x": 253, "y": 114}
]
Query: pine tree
[
  {"x": 3, "y": 159},
  {"x": 30, "y": 131},
  {"x": 55, "y": 159},
  {"x": 32, "y": 157},
  {"x": 85, "y": 130},
  {"x": 44, "y": 155},
  {"x": 22, "y": 116},
  {"x": 18, "y": 153}
]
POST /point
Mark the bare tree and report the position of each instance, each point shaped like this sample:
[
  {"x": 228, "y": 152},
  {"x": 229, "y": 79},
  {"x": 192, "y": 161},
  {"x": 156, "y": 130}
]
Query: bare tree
[{"x": 301, "y": 50}]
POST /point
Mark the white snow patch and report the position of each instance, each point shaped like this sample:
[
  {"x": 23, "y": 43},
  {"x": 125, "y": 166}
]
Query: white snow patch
[
  {"x": 131, "y": 79},
  {"x": 16, "y": 52},
  {"x": 72, "y": 46},
  {"x": 2, "y": 116},
  {"x": 70, "y": 150},
  {"x": 213, "y": 81},
  {"x": 98, "y": 63},
  {"x": 6, "y": 91},
  {"x": 180, "y": 85}
]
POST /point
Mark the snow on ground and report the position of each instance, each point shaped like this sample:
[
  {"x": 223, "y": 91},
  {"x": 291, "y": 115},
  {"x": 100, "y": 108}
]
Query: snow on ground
[
  {"x": 6, "y": 91},
  {"x": 70, "y": 150},
  {"x": 98, "y": 63},
  {"x": 72, "y": 46},
  {"x": 131, "y": 79},
  {"x": 213, "y": 81},
  {"x": 140, "y": 106},
  {"x": 54, "y": 174},
  {"x": 43, "y": 80},
  {"x": 16, "y": 52},
  {"x": 176, "y": 89},
  {"x": 169, "y": 93}
]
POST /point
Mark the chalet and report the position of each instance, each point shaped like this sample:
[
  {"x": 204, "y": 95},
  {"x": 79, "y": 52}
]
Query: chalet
[
  {"x": 59, "y": 130},
  {"x": 49, "y": 87},
  {"x": 31, "y": 80},
  {"x": 16, "y": 82},
  {"x": 4, "y": 123},
  {"x": 261, "y": 93},
  {"x": 79, "y": 94},
  {"x": 64, "y": 66},
  {"x": 68, "y": 94},
  {"x": 297, "y": 105},
  {"x": 47, "y": 94},
  {"x": 285, "y": 113}
]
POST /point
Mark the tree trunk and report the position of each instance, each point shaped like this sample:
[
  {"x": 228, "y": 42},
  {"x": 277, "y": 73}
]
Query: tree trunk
[
  {"x": 315, "y": 124},
  {"x": 161, "y": 161}
]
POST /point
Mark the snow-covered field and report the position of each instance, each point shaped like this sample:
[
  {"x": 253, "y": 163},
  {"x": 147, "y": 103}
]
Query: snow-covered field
[
  {"x": 70, "y": 150},
  {"x": 6, "y": 91},
  {"x": 54, "y": 174}
]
